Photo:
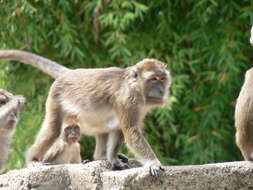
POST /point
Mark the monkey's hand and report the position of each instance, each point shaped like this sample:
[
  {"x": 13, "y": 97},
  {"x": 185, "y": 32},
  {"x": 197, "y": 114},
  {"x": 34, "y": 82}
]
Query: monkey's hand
[
  {"x": 85, "y": 161},
  {"x": 155, "y": 168}
]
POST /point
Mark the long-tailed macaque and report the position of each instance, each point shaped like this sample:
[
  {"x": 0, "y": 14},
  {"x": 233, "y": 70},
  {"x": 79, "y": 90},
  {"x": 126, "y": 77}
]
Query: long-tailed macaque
[
  {"x": 244, "y": 115},
  {"x": 109, "y": 104},
  {"x": 9, "y": 108},
  {"x": 66, "y": 148}
]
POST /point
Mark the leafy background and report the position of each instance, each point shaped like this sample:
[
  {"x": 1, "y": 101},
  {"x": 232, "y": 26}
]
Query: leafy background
[{"x": 205, "y": 44}]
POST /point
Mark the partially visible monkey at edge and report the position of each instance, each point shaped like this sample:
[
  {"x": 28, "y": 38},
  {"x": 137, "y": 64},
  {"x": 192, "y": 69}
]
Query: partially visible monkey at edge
[
  {"x": 110, "y": 104},
  {"x": 9, "y": 108},
  {"x": 244, "y": 114},
  {"x": 66, "y": 149},
  {"x": 251, "y": 36}
]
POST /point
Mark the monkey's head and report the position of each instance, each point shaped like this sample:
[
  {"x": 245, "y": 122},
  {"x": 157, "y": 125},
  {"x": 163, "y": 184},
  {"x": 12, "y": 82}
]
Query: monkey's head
[
  {"x": 72, "y": 133},
  {"x": 153, "y": 79}
]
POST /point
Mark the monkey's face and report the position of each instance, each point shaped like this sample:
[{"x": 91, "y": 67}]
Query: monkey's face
[
  {"x": 156, "y": 88},
  {"x": 155, "y": 80},
  {"x": 72, "y": 133}
]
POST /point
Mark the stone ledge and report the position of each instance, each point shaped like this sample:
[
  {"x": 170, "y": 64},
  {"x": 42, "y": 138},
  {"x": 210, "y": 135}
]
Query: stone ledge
[{"x": 96, "y": 175}]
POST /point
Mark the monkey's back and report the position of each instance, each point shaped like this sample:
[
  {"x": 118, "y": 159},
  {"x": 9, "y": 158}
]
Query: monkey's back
[
  {"x": 78, "y": 89},
  {"x": 89, "y": 82}
]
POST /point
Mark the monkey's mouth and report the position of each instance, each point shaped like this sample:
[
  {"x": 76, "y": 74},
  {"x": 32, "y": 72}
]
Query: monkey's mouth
[
  {"x": 155, "y": 100},
  {"x": 12, "y": 121},
  {"x": 73, "y": 139}
]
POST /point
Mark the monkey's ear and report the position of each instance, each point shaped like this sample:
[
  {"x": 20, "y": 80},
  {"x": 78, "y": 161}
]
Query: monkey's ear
[
  {"x": 134, "y": 73},
  {"x": 132, "y": 77},
  {"x": 164, "y": 65}
]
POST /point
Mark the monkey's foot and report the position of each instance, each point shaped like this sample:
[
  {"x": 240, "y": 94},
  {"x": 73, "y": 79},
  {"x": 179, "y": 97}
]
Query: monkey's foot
[
  {"x": 85, "y": 161},
  {"x": 47, "y": 164},
  {"x": 119, "y": 166},
  {"x": 123, "y": 158}
]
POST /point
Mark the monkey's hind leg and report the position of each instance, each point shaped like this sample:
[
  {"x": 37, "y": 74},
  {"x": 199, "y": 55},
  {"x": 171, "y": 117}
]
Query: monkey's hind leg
[
  {"x": 49, "y": 131},
  {"x": 100, "y": 149},
  {"x": 245, "y": 144},
  {"x": 123, "y": 158},
  {"x": 114, "y": 141}
]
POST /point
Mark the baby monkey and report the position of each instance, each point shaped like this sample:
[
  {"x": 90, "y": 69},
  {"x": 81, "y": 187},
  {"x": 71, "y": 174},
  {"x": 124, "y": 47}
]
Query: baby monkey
[{"x": 66, "y": 149}]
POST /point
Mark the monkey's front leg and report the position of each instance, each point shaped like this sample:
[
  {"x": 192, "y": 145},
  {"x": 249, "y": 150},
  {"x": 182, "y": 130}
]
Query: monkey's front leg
[
  {"x": 129, "y": 122},
  {"x": 142, "y": 150},
  {"x": 114, "y": 141}
]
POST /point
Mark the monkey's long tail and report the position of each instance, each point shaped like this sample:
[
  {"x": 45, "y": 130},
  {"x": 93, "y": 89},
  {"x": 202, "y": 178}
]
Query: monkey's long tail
[{"x": 50, "y": 67}]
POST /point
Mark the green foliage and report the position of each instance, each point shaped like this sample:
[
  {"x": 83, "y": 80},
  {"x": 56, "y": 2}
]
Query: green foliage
[{"x": 204, "y": 43}]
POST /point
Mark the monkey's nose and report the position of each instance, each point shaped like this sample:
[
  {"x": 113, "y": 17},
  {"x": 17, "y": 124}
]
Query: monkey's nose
[{"x": 161, "y": 90}]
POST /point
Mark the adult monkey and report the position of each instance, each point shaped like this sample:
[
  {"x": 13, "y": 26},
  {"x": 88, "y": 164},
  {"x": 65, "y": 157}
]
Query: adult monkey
[
  {"x": 244, "y": 114},
  {"x": 109, "y": 104}
]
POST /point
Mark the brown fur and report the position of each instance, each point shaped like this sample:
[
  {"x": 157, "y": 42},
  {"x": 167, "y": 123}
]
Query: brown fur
[{"x": 244, "y": 117}]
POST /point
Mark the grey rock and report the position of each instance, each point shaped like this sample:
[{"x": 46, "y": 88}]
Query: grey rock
[{"x": 97, "y": 175}]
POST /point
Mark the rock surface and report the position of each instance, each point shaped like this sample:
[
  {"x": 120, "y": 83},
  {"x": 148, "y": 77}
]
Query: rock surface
[{"x": 97, "y": 175}]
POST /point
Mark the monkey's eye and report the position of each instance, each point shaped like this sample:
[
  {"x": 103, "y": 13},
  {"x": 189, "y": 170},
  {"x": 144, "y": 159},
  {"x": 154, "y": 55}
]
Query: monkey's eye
[
  {"x": 158, "y": 78},
  {"x": 154, "y": 79},
  {"x": 164, "y": 78}
]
